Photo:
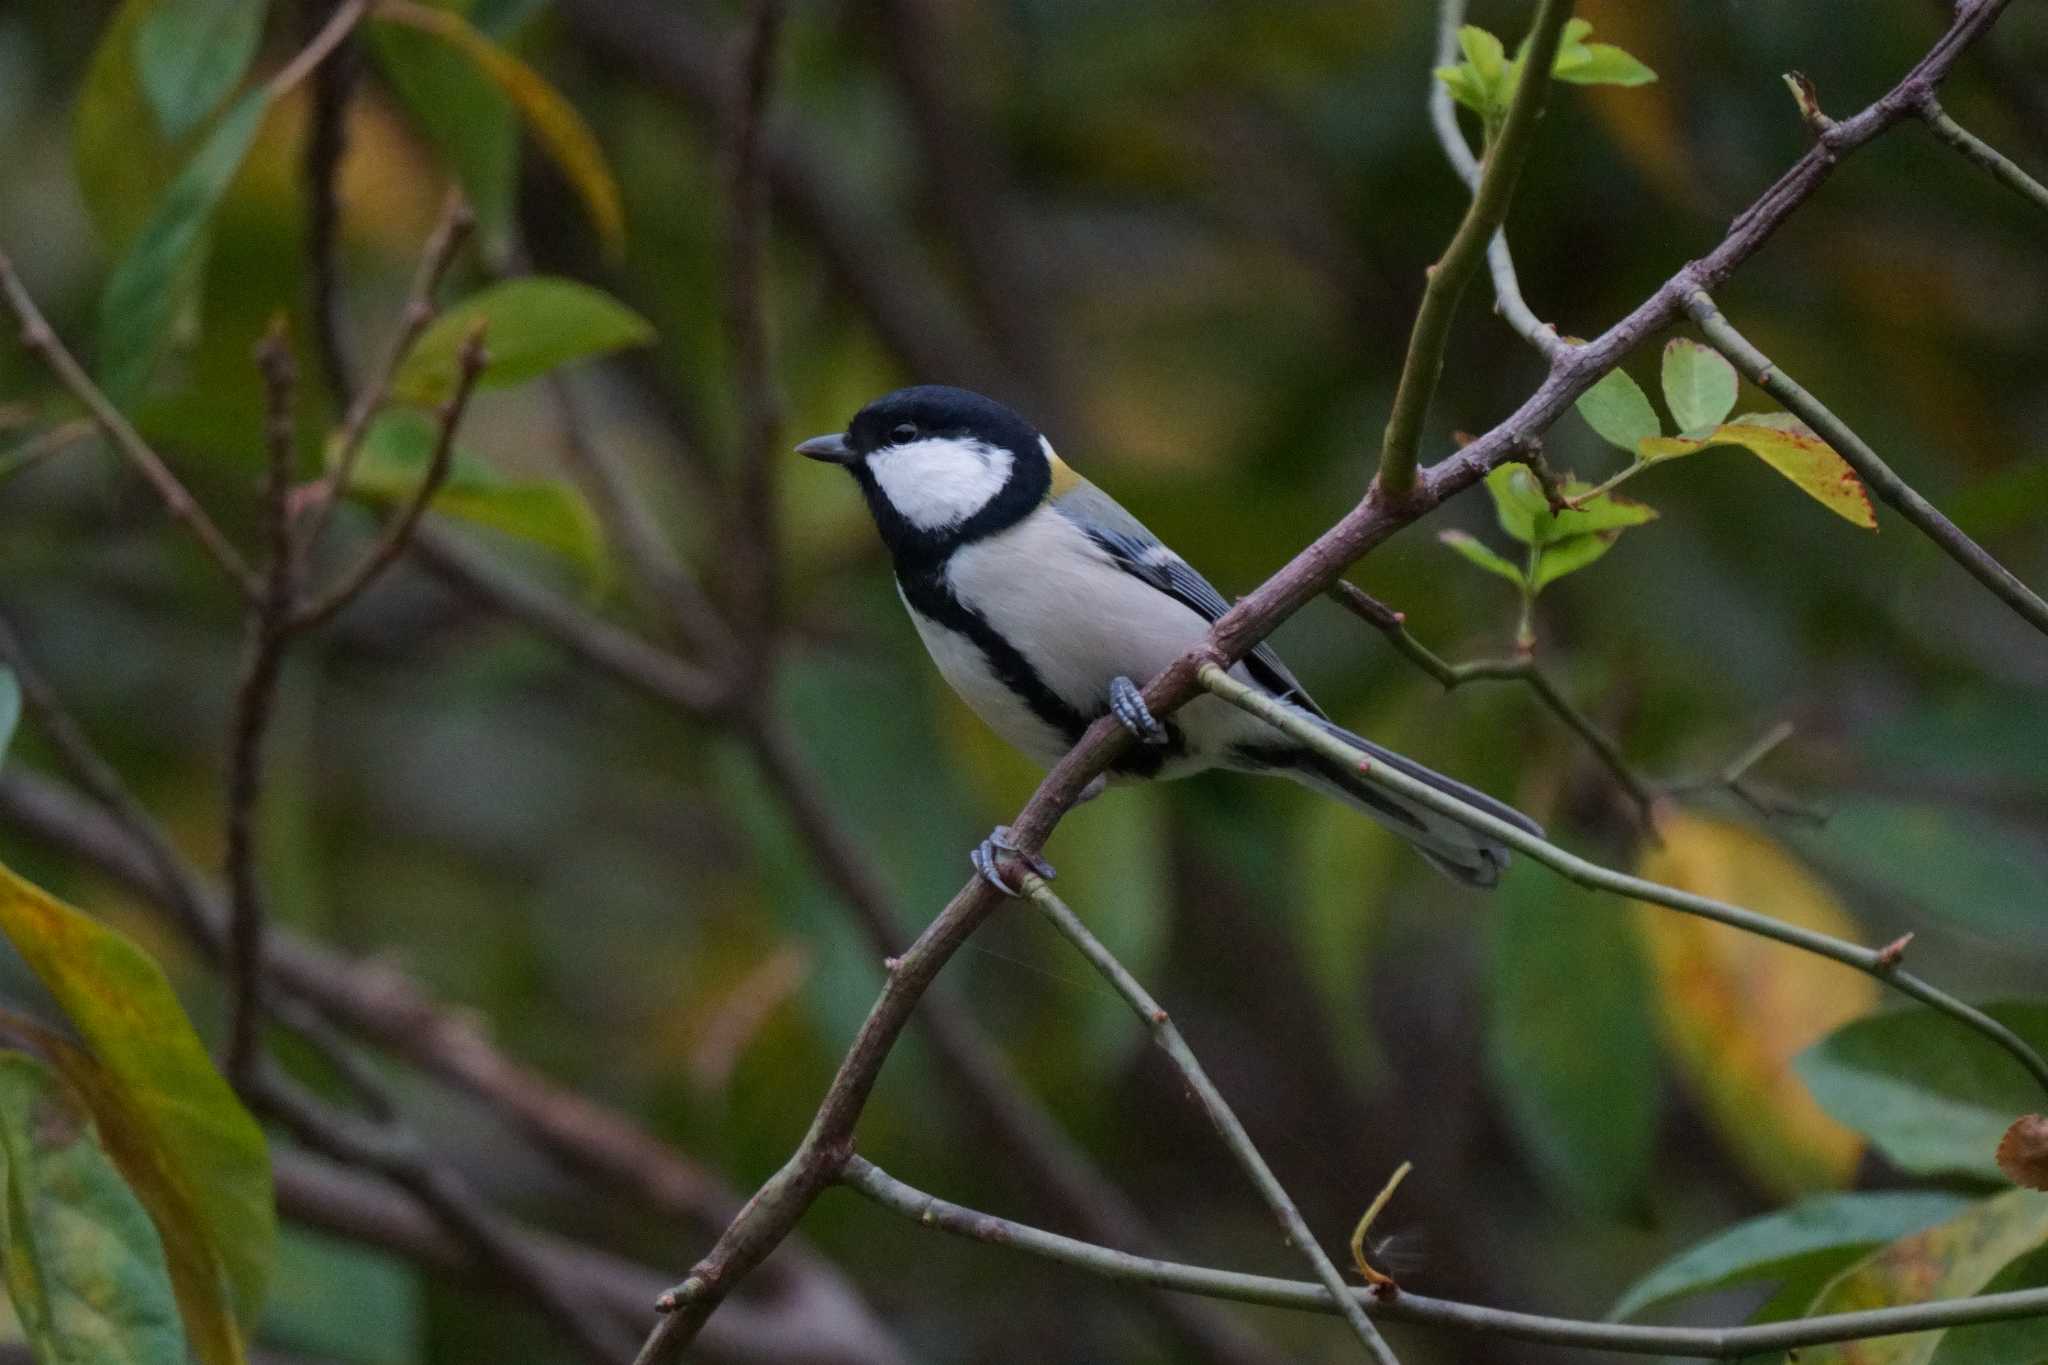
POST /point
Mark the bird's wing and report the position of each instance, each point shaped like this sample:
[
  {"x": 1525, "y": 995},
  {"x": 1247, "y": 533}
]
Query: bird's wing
[{"x": 1141, "y": 554}]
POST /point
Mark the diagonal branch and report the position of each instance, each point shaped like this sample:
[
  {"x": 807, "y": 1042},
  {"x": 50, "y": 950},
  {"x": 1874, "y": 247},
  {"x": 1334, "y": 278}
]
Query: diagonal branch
[
  {"x": 1453, "y": 271},
  {"x": 1873, "y": 962},
  {"x": 1899, "y": 495},
  {"x": 1215, "y": 1106},
  {"x": 2002, "y": 167}
]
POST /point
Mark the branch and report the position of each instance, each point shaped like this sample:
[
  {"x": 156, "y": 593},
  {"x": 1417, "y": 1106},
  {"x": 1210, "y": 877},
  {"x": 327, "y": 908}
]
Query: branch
[
  {"x": 1215, "y": 1106},
  {"x": 1443, "y": 116},
  {"x": 1393, "y": 625},
  {"x": 2002, "y": 167},
  {"x": 38, "y": 338},
  {"x": 824, "y": 1150},
  {"x": 399, "y": 528},
  {"x": 326, "y": 144},
  {"x": 1453, "y": 271},
  {"x": 1896, "y": 492},
  {"x": 453, "y": 229},
  {"x": 1710, "y": 1343},
  {"x": 1871, "y": 961}
]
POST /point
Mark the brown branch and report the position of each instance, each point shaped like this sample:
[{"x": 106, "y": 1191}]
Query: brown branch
[
  {"x": 823, "y": 1153},
  {"x": 334, "y": 84},
  {"x": 39, "y": 339},
  {"x": 453, "y": 229},
  {"x": 399, "y": 527}
]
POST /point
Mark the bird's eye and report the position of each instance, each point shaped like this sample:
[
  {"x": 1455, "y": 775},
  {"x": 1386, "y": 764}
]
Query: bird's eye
[{"x": 904, "y": 431}]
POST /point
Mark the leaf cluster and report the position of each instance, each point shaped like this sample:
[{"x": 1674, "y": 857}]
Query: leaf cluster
[{"x": 1485, "y": 81}]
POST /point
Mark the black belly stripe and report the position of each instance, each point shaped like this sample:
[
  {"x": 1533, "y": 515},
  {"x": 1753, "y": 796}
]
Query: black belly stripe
[{"x": 928, "y": 594}]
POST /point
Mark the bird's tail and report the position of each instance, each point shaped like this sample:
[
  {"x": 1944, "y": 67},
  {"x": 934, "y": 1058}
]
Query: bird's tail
[{"x": 1453, "y": 848}]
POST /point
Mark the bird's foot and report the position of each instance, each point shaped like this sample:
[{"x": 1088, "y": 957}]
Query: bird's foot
[
  {"x": 1128, "y": 706},
  {"x": 984, "y": 860}
]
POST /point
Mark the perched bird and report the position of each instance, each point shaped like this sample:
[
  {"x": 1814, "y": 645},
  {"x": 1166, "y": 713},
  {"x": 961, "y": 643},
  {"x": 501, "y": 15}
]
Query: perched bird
[{"x": 1045, "y": 605}]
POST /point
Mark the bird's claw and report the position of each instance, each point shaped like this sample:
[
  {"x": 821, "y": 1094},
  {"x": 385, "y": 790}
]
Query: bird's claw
[
  {"x": 1128, "y": 706},
  {"x": 999, "y": 841}
]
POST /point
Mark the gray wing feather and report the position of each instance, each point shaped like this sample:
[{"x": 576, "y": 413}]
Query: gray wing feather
[{"x": 1141, "y": 554}]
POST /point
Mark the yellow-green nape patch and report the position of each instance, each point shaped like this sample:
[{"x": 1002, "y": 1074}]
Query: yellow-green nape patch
[{"x": 1064, "y": 479}]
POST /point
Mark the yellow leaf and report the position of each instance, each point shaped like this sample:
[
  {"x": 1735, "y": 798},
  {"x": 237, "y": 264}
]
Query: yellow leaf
[
  {"x": 555, "y": 123},
  {"x": 1737, "y": 1008},
  {"x": 1789, "y": 446},
  {"x": 1951, "y": 1260}
]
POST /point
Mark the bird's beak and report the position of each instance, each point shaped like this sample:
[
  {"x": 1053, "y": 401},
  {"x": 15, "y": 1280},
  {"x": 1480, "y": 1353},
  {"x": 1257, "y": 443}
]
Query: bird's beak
[{"x": 831, "y": 449}]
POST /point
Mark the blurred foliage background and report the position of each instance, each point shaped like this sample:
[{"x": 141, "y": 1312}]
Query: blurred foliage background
[{"x": 1187, "y": 240}]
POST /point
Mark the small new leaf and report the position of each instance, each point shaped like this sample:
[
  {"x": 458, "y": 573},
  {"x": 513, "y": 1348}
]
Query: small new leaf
[
  {"x": 1480, "y": 555},
  {"x": 1570, "y": 554},
  {"x": 1699, "y": 384},
  {"x": 1519, "y": 503},
  {"x": 1601, "y": 64},
  {"x": 1792, "y": 448},
  {"x": 1619, "y": 410}
]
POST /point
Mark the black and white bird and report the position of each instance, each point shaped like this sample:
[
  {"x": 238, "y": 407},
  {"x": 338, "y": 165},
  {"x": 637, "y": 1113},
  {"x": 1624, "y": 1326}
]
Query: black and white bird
[{"x": 1045, "y": 605}]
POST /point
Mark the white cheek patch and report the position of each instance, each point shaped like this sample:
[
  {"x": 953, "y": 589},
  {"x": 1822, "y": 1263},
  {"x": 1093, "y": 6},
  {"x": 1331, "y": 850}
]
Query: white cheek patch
[{"x": 936, "y": 484}]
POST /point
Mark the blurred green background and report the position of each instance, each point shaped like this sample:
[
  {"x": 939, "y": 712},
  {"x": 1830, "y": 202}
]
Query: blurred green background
[{"x": 1188, "y": 241}]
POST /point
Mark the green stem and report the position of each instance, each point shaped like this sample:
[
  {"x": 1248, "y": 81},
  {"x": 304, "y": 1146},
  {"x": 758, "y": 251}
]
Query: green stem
[
  {"x": 2002, "y": 167},
  {"x": 1461, "y": 259},
  {"x": 1870, "y": 961}
]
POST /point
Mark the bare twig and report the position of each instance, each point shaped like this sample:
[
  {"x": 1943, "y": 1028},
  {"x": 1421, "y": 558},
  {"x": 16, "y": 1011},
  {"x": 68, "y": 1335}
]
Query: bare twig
[
  {"x": 1709, "y": 1343},
  {"x": 1215, "y": 1106},
  {"x": 2002, "y": 167},
  {"x": 400, "y": 526},
  {"x": 1525, "y": 670},
  {"x": 454, "y": 228},
  {"x": 42, "y": 446},
  {"x": 326, "y": 144},
  {"x": 38, "y": 337},
  {"x": 1574, "y": 868},
  {"x": 1897, "y": 494},
  {"x": 1454, "y": 269},
  {"x": 823, "y": 1152}
]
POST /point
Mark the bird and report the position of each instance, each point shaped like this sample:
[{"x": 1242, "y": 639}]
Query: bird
[{"x": 1046, "y": 605}]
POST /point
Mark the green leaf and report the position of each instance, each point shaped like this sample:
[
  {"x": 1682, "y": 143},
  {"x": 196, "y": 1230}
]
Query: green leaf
[
  {"x": 142, "y": 295},
  {"x": 1570, "y": 554},
  {"x": 1518, "y": 502},
  {"x": 548, "y": 513},
  {"x": 2019, "y": 1342},
  {"x": 189, "y": 54},
  {"x": 1950, "y": 1260},
  {"x": 531, "y": 325},
  {"x": 1789, "y": 446},
  {"x": 1935, "y": 1097},
  {"x": 10, "y": 709},
  {"x": 1607, "y": 513},
  {"x": 1602, "y": 64},
  {"x": 1699, "y": 384},
  {"x": 1484, "y": 53},
  {"x": 1619, "y": 410},
  {"x": 123, "y": 159},
  {"x": 1579, "y": 1083},
  {"x": 1464, "y": 86},
  {"x": 463, "y": 113},
  {"x": 83, "y": 1265},
  {"x": 1832, "y": 1229},
  {"x": 337, "y": 1300},
  {"x": 1480, "y": 555},
  {"x": 192, "y": 1153},
  {"x": 553, "y": 121}
]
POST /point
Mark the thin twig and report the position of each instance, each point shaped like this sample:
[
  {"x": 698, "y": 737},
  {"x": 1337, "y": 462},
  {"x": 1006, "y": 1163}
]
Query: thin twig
[
  {"x": 1169, "y": 1040},
  {"x": 38, "y": 337},
  {"x": 43, "y": 445},
  {"x": 1454, "y": 269},
  {"x": 1525, "y": 670},
  {"x": 331, "y": 36},
  {"x": 326, "y": 144},
  {"x": 1443, "y": 116},
  {"x": 1897, "y": 494},
  {"x": 2003, "y": 168},
  {"x": 400, "y": 526},
  {"x": 1709, "y": 1343},
  {"x": 456, "y": 223},
  {"x": 1574, "y": 868}
]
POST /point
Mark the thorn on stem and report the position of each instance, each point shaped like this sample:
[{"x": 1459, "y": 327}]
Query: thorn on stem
[
  {"x": 1159, "y": 1016},
  {"x": 1889, "y": 956},
  {"x": 890, "y": 964},
  {"x": 1808, "y": 100}
]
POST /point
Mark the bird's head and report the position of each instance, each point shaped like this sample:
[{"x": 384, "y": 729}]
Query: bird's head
[{"x": 940, "y": 466}]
